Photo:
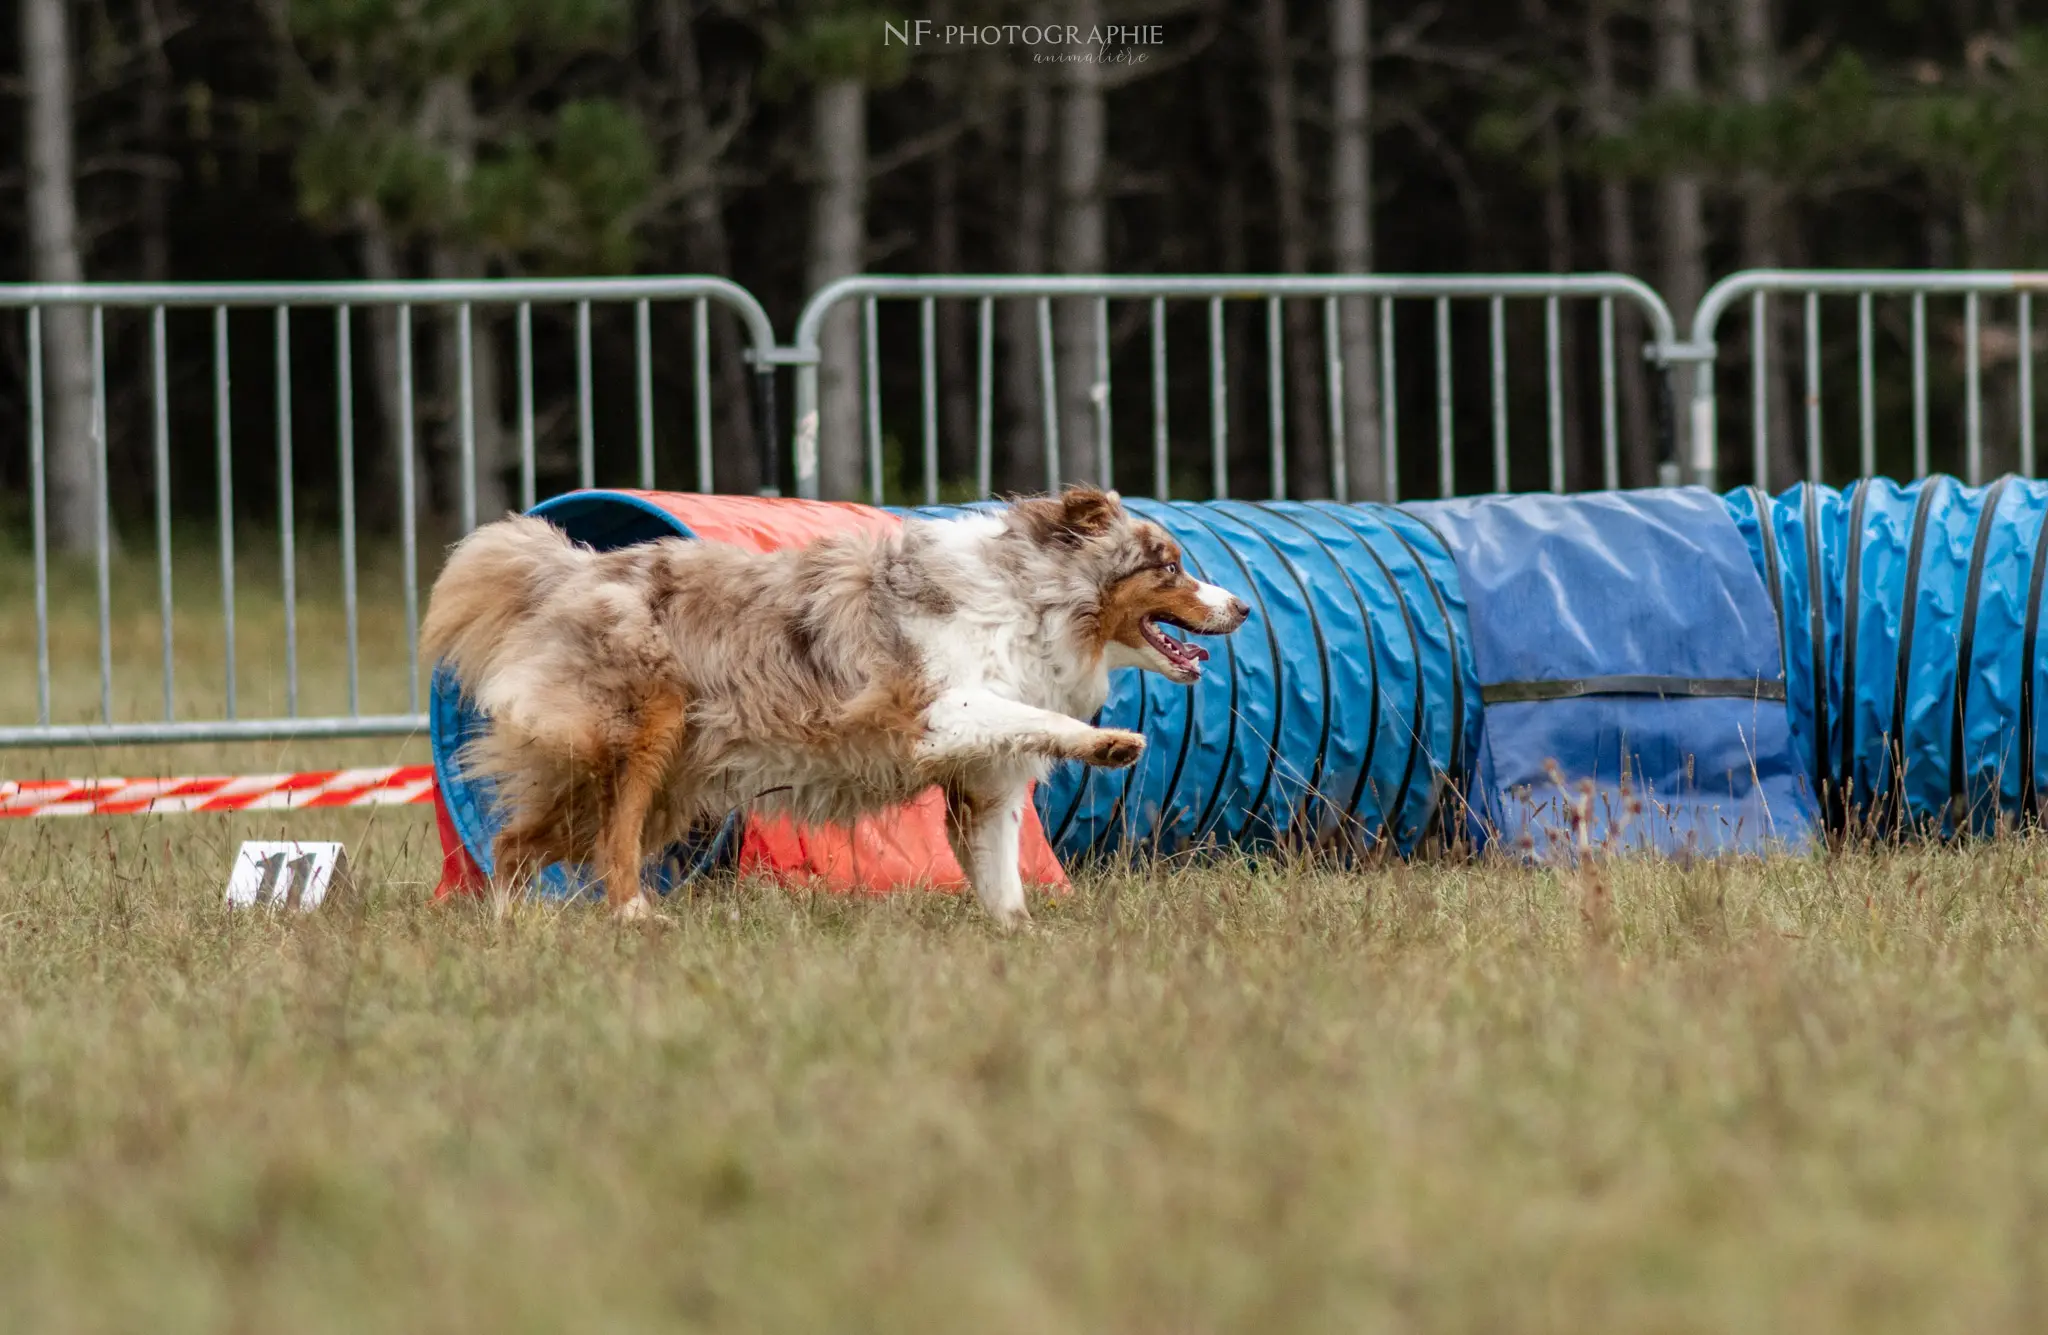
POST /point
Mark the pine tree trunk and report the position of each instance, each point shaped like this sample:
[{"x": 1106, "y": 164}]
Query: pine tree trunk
[
  {"x": 1244, "y": 465},
  {"x": 1021, "y": 467},
  {"x": 380, "y": 491},
  {"x": 55, "y": 256},
  {"x": 449, "y": 117},
  {"x": 1308, "y": 471},
  {"x": 1763, "y": 248},
  {"x": 1081, "y": 246},
  {"x": 1351, "y": 240},
  {"x": 495, "y": 455},
  {"x": 839, "y": 149},
  {"x": 1681, "y": 212},
  {"x": 1680, "y": 209},
  {"x": 955, "y": 329},
  {"x": 736, "y": 460},
  {"x": 1582, "y": 460},
  {"x": 1638, "y": 448}
]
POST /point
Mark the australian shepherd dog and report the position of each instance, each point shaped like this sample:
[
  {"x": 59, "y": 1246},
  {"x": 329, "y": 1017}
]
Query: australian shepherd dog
[{"x": 632, "y": 695}]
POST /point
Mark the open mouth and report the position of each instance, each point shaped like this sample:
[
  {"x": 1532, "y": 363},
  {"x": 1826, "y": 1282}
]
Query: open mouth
[{"x": 1185, "y": 658}]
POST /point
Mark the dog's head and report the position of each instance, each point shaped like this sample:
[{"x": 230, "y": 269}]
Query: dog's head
[{"x": 1141, "y": 587}]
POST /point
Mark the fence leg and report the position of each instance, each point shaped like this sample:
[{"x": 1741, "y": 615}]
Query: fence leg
[
  {"x": 770, "y": 437},
  {"x": 804, "y": 444}
]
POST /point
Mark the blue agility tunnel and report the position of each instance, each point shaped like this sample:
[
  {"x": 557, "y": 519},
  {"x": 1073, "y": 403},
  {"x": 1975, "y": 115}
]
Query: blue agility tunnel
[
  {"x": 1910, "y": 620},
  {"x": 1343, "y": 714}
]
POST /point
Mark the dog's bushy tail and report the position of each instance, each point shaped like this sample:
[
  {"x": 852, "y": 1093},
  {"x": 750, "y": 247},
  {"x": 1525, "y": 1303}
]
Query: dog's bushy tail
[{"x": 494, "y": 578}]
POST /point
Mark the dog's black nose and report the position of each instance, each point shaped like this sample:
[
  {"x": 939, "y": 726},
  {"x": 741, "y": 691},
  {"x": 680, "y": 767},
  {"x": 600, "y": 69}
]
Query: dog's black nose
[{"x": 1240, "y": 609}]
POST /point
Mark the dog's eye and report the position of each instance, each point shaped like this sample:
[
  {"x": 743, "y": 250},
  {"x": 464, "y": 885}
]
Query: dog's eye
[{"x": 1172, "y": 569}]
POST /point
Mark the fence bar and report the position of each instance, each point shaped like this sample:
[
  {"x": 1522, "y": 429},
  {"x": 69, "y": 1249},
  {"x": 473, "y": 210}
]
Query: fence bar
[
  {"x": 408, "y": 503},
  {"x": 286, "y": 522},
  {"x": 38, "y": 509},
  {"x": 1333, "y": 375},
  {"x": 465, "y": 352},
  {"x": 643, "y": 384},
  {"x": 1497, "y": 332},
  {"x": 1447, "y": 482},
  {"x": 1390, "y": 436},
  {"x": 103, "y": 535},
  {"x": 224, "y": 483},
  {"x": 1219, "y": 406},
  {"x": 1049, "y": 389},
  {"x": 160, "y": 413},
  {"x": 700, "y": 386},
  {"x": 1973, "y": 392},
  {"x": 1866, "y": 387},
  {"x": 586, "y": 431},
  {"x": 2026, "y": 360},
  {"x": 1162, "y": 472},
  {"x": 984, "y": 395},
  {"x": 1610, "y": 415},
  {"x": 872, "y": 382},
  {"x": 1919, "y": 385},
  {"x": 1099, "y": 395},
  {"x": 1760, "y": 390},
  {"x": 224, "y": 730},
  {"x": 928, "y": 347},
  {"x": 1553, "y": 336},
  {"x": 524, "y": 326},
  {"x": 345, "y": 438},
  {"x": 1276, "y": 400},
  {"x": 1813, "y": 460}
]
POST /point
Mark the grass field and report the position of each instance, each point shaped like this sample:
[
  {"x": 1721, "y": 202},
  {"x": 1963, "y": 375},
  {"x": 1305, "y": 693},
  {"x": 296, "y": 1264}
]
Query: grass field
[{"x": 1804, "y": 1095}]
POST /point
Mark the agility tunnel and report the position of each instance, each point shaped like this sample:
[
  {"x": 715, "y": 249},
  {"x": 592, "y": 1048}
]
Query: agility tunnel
[
  {"x": 1909, "y": 620},
  {"x": 1662, "y": 670}
]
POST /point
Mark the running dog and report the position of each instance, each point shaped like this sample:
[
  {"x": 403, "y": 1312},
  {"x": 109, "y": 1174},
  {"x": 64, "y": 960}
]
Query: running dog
[{"x": 634, "y": 694}]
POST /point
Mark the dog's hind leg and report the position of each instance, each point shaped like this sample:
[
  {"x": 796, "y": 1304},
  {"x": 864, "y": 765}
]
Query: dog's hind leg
[
  {"x": 969, "y": 726},
  {"x": 984, "y": 824},
  {"x": 523, "y": 848},
  {"x": 637, "y": 769}
]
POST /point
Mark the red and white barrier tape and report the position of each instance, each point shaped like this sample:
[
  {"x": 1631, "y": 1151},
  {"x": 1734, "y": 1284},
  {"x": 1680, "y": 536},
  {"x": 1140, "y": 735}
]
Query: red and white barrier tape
[{"x": 401, "y": 785}]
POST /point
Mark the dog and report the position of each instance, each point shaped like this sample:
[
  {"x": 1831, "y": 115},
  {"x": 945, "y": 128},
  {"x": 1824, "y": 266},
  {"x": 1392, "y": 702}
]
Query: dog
[{"x": 633, "y": 695}]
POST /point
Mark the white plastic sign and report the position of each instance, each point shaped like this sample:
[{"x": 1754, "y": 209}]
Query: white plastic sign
[{"x": 286, "y": 874}]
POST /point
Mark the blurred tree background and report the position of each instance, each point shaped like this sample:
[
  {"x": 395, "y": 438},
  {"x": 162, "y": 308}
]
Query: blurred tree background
[{"x": 782, "y": 144}]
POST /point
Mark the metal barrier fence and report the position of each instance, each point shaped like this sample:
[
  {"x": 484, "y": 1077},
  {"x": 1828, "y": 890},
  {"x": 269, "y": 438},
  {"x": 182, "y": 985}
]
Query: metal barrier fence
[
  {"x": 1881, "y": 327},
  {"x": 1373, "y": 301},
  {"x": 1371, "y": 368},
  {"x": 465, "y": 305}
]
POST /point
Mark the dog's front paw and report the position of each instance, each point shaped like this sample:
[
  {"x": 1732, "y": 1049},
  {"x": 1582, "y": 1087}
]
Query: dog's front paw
[
  {"x": 636, "y": 910},
  {"x": 1113, "y": 748},
  {"x": 1011, "y": 918}
]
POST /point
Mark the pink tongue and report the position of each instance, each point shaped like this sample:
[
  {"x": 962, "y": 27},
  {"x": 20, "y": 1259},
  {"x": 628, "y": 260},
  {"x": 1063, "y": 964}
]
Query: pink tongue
[{"x": 1196, "y": 652}]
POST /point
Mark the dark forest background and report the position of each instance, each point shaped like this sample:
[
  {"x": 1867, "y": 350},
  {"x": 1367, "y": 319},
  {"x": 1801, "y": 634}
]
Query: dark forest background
[{"x": 783, "y": 144}]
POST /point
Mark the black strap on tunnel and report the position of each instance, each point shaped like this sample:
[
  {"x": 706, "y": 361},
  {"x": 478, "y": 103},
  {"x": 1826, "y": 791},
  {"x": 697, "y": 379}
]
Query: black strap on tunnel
[
  {"x": 1664, "y": 688},
  {"x": 1315, "y": 773},
  {"x": 2029, "y": 784},
  {"x": 1454, "y": 766},
  {"x": 1851, "y": 605},
  {"x": 1966, "y": 644},
  {"x": 1209, "y": 810},
  {"x": 1895, "y": 744},
  {"x": 1130, "y": 776},
  {"x": 1372, "y": 659},
  {"x": 1774, "y": 582},
  {"x": 1389, "y": 813}
]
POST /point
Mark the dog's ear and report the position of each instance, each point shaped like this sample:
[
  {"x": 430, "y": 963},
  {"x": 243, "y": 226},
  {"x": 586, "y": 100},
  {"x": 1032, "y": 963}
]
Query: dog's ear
[
  {"x": 1070, "y": 518},
  {"x": 1088, "y": 511}
]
